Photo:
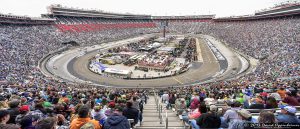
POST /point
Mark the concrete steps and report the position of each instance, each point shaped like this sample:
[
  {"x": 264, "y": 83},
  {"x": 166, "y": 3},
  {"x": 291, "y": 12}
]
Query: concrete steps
[{"x": 152, "y": 121}]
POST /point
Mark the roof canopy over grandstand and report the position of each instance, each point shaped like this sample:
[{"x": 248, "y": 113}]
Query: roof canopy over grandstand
[
  {"x": 13, "y": 19},
  {"x": 58, "y": 10},
  {"x": 284, "y": 10},
  {"x": 185, "y": 17}
]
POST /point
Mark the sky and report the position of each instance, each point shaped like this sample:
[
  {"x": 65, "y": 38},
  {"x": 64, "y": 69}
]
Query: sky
[{"x": 221, "y": 8}]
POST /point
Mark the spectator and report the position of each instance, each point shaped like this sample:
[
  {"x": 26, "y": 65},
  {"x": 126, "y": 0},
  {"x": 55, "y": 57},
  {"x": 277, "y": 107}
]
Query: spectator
[
  {"x": 258, "y": 103},
  {"x": 62, "y": 123},
  {"x": 29, "y": 122},
  {"x": 267, "y": 117},
  {"x": 281, "y": 91},
  {"x": 13, "y": 111},
  {"x": 271, "y": 103},
  {"x": 165, "y": 97},
  {"x": 38, "y": 112},
  {"x": 3, "y": 103},
  {"x": 231, "y": 114},
  {"x": 290, "y": 100},
  {"x": 83, "y": 119},
  {"x": 74, "y": 114},
  {"x": 194, "y": 114},
  {"x": 172, "y": 100},
  {"x": 136, "y": 104},
  {"x": 245, "y": 118},
  {"x": 98, "y": 114},
  {"x": 181, "y": 107},
  {"x": 276, "y": 96},
  {"x": 4, "y": 118},
  {"x": 24, "y": 110},
  {"x": 131, "y": 113},
  {"x": 195, "y": 102},
  {"x": 111, "y": 106},
  {"x": 46, "y": 123},
  {"x": 210, "y": 119},
  {"x": 287, "y": 115},
  {"x": 117, "y": 120}
]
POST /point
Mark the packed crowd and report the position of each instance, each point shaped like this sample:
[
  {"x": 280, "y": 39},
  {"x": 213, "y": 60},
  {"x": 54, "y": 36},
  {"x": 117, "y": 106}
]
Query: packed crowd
[
  {"x": 274, "y": 42},
  {"x": 273, "y": 85},
  {"x": 23, "y": 46},
  {"x": 64, "y": 107},
  {"x": 27, "y": 95},
  {"x": 226, "y": 106}
]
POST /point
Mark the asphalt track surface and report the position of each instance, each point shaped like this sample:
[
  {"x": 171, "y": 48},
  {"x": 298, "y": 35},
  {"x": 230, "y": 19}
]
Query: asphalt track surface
[{"x": 199, "y": 72}]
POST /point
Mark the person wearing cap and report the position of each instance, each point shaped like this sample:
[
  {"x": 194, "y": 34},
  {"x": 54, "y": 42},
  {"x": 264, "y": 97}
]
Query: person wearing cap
[
  {"x": 116, "y": 120},
  {"x": 24, "y": 110},
  {"x": 98, "y": 115},
  {"x": 4, "y": 118},
  {"x": 181, "y": 107},
  {"x": 245, "y": 118},
  {"x": 109, "y": 110},
  {"x": 276, "y": 96},
  {"x": 287, "y": 115},
  {"x": 231, "y": 114}
]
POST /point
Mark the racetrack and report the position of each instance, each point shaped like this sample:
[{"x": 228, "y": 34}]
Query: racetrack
[{"x": 72, "y": 65}]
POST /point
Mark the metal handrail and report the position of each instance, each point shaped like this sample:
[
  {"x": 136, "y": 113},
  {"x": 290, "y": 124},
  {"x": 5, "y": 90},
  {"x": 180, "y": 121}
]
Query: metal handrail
[
  {"x": 156, "y": 100},
  {"x": 159, "y": 106},
  {"x": 160, "y": 113},
  {"x": 167, "y": 120}
]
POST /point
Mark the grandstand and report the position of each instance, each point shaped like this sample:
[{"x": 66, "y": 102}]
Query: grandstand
[{"x": 264, "y": 90}]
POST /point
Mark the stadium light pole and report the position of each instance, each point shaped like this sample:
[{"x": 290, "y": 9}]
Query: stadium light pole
[{"x": 164, "y": 24}]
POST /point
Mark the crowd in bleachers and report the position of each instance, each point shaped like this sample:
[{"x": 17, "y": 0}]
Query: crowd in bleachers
[
  {"x": 62, "y": 107},
  {"x": 219, "y": 105},
  {"x": 274, "y": 42},
  {"x": 273, "y": 85},
  {"x": 27, "y": 96}
]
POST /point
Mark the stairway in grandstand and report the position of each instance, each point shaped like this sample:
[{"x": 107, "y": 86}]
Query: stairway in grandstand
[{"x": 151, "y": 118}]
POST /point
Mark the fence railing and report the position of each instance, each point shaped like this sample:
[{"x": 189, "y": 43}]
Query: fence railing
[{"x": 159, "y": 107}]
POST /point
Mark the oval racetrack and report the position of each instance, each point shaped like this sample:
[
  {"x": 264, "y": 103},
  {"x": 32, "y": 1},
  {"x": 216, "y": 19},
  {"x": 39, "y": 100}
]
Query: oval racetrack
[{"x": 72, "y": 65}]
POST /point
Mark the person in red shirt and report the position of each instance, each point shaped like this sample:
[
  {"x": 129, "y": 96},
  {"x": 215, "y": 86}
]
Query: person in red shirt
[{"x": 290, "y": 100}]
